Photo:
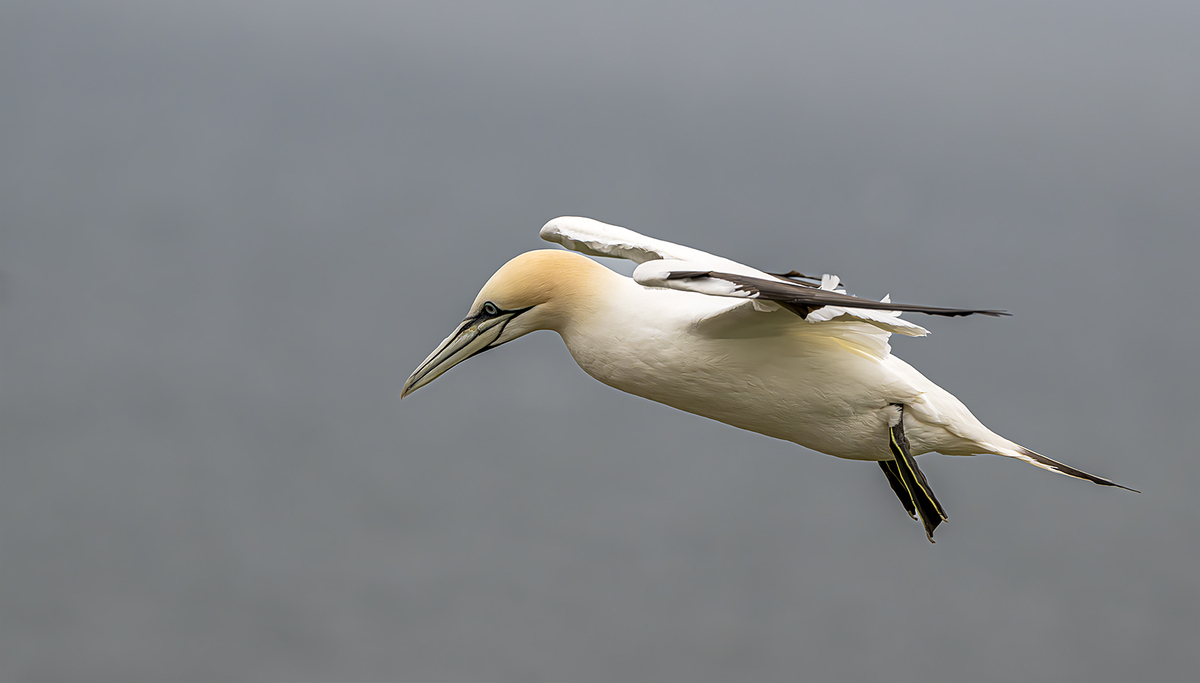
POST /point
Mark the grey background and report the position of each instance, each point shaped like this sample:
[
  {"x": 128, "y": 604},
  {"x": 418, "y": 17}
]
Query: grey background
[{"x": 230, "y": 230}]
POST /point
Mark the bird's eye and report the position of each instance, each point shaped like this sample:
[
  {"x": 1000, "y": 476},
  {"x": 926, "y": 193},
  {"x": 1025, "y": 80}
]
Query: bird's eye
[{"x": 490, "y": 308}]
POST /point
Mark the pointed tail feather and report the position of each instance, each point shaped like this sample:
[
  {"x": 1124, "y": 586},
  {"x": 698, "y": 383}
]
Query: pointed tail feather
[{"x": 1039, "y": 460}]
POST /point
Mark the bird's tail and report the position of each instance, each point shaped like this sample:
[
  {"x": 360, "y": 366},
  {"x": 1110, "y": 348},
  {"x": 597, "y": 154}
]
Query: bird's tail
[{"x": 1039, "y": 460}]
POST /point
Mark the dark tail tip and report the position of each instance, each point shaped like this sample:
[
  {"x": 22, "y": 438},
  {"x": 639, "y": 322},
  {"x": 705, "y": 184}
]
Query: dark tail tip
[{"x": 1062, "y": 468}]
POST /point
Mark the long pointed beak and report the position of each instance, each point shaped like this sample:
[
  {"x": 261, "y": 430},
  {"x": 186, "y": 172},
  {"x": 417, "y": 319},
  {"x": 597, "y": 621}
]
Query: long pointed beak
[{"x": 475, "y": 335}]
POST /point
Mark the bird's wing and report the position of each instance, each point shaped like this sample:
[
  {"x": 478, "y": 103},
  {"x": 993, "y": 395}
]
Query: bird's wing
[
  {"x": 813, "y": 304},
  {"x": 800, "y": 298},
  {"x": 673, "y": 266},
  {"x": 594, "y": 238}
]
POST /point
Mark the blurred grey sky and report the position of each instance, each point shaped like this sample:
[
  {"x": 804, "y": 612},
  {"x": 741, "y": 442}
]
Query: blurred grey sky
[{"x": 229, "y": 230}]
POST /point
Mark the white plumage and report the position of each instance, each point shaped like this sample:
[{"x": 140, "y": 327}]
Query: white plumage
[{"x": 774, "y": 354}]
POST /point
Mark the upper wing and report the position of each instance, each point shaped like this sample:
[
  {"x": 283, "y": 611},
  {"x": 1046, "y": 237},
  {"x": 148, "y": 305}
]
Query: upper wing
[
  {"x": 594, "y": 238},
  {"x": 674, "y": 266}
]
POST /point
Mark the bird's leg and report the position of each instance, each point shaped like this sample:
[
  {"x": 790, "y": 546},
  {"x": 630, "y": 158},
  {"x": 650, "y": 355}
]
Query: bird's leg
[
  {"x": 908, "y": 481},
  {"x": 893, "y": 477}
]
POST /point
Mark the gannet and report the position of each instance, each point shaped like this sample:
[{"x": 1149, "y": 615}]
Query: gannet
[{"x": 786, "y": 355}]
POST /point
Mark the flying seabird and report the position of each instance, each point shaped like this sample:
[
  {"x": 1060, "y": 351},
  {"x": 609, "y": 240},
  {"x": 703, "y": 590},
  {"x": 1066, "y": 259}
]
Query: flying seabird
[{"x": 787, "y": 355}]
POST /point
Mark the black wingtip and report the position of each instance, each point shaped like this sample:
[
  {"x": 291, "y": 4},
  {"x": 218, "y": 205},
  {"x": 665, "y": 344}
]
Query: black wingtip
[{"x": 955, "y": 312}]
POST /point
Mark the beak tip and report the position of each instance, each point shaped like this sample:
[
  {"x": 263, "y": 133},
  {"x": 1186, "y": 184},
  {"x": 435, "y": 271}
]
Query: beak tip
[{"x": 410, "y": 385}]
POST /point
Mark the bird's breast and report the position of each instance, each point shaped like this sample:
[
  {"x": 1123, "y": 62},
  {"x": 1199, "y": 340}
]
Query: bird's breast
[{"x": 808, "y": 391}]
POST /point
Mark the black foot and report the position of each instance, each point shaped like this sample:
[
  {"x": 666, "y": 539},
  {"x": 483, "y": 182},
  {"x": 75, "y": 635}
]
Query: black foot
[{"x": 909, "y": 482}]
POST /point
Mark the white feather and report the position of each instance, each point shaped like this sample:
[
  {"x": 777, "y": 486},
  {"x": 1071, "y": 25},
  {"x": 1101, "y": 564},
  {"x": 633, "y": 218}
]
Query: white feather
[{"x": 591, "y": 237}]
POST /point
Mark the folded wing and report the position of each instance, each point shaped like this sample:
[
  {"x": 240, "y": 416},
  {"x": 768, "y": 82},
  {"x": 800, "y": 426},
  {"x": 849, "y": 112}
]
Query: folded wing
[
  {"x": 800, "y": 299},
  {"x": 673, "y": 266}
]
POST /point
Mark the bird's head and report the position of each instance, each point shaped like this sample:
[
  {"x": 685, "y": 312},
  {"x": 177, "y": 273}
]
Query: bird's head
[{"x": 538, "y": 290}]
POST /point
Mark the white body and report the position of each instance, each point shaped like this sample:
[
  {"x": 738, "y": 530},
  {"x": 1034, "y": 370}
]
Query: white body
[{"x": 814, "y": 385}]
